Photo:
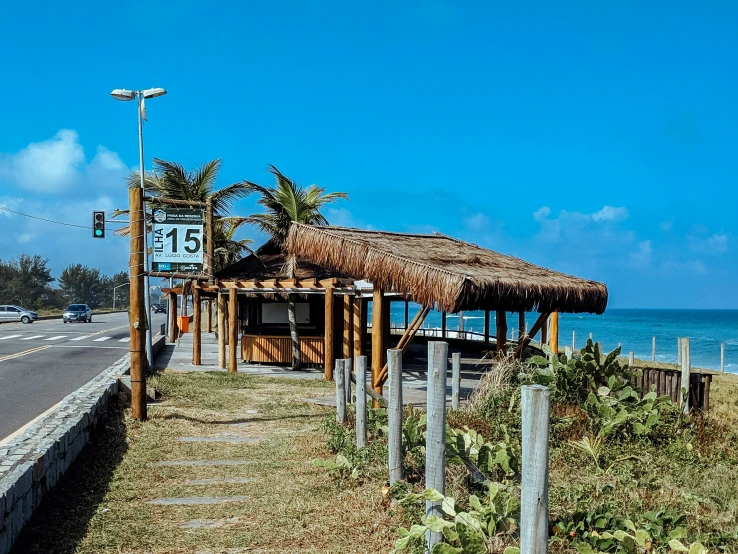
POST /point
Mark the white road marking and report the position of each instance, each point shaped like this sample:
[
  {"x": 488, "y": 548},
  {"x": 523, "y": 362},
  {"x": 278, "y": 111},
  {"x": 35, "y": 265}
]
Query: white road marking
[
  {"x": 82, "y": 337},
  {"x": 102, "y": 339},
  {"x": 33, "y": 337},
  {"x": 57, "y": 337},
  {"x": 10, "y": 337},
  {"x": 125, "y": 339}
]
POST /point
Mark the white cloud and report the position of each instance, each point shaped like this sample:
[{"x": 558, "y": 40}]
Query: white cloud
[
  {"x": 716, "y": 243},
  {"x": 25, "y": 238},
  {"x": 610, "y": 214},
  {"x": 691, "y": 266},
  {"x": 476, "y": 222},
  {"x": 642, "y": 257},
  {"x": 542, "y": 213},
  {"x": 11, "y": 204}
]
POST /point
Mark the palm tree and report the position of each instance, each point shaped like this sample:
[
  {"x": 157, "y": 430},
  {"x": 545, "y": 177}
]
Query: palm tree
[
  {"x": 172, "y": 180},
  {"x": 283, "y": 204}
]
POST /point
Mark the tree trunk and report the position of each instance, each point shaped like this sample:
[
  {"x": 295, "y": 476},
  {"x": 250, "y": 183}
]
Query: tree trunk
[{"x": 296, "y": 361}]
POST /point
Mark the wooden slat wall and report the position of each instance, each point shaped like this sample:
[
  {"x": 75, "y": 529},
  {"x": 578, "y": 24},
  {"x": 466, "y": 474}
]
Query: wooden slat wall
[
  {"x": 278, "y": 350},
  {"x": 668, "y": 382}
]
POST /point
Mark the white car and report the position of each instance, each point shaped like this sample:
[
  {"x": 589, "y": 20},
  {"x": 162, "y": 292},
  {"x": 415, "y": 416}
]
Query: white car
[{"x": 10, "y": 312}]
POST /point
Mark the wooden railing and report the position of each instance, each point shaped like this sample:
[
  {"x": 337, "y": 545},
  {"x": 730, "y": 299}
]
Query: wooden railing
[{"x": 668, "y": 382}]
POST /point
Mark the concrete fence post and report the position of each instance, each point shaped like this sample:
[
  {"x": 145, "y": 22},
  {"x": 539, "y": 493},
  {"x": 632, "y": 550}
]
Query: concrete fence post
[
  {"x": 686, "y": 370},
  {"x": 347, "y": 370},
  {"x": 339, "y": 376},
  {"x": 394, "y": 415},
  {"x": 568, "y": 352},
  {"x": 455, "y": 379},
  {"x": 435, "y": 441},
  {"x": 722, "y": 357},
  {"x": 653, "y": 349},
  {"x": 536, "y": 406},
  {"x": 360, "y": 401},
  {"x": 631, "y": 359}
]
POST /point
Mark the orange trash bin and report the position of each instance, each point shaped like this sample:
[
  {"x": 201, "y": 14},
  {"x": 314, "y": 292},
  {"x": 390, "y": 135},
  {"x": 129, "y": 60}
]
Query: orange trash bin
[{"x": 183, "y": 322}]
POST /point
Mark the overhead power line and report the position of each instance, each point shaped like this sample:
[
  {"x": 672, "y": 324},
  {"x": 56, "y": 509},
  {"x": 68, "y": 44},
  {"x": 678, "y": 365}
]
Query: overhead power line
[{"x": 6, "y": 209}]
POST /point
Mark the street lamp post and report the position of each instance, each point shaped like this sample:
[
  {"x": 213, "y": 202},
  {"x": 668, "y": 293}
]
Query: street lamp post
[
  {"x": 141, "y": 95},
  {"x": 114, "y": 288}
]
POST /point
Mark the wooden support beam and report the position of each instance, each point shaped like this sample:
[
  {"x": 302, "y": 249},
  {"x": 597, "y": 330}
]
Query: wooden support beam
[
  {"x": 554, "y": 340},
  {"x": 486, "y": 326},
  {"x": 377, "y": 338},
  {"x": 328, "y": 335},
  {"x": 358, "y": 330},
  {"x": 232, "y": 331},
  {"x": 197, "y": 328},
  {"x": 407, "y": 312},
  {"x": 348, "y": 319},
  {"x": 537, "y": 326},
  {"x": 209, "y": 304},
  {"x": 521, "y": 325},
  {"x": 221, "y": 330},
  {"x": 172, "y": 315},
  {"x": 544, "y": 331},
  {"x": 406, "y": 339},
  {"x": 386, "y": 327},
  {"x": 501, "y": 334},
  {"x": 443, "y": 325}
]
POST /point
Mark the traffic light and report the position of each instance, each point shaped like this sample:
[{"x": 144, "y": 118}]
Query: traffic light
[{"x": 98, "y": 225}]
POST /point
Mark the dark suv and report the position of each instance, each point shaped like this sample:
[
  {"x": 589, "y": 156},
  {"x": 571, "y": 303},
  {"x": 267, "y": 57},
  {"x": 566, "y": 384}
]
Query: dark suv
[{"x": 78, "y": 312}]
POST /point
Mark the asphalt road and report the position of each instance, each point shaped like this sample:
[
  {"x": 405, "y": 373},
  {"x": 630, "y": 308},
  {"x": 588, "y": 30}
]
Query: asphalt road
[{"x": 42, "y": 362}]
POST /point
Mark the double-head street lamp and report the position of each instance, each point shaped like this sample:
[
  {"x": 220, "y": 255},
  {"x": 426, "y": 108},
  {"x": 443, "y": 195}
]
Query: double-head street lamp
[{"x": 126, "y": 95}]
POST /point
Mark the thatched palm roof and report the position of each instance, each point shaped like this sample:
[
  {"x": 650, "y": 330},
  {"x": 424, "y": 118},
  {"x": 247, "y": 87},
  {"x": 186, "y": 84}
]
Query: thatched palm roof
[
  {"x": 269, "y": 262},
  {"x": 444, "y": 273}
]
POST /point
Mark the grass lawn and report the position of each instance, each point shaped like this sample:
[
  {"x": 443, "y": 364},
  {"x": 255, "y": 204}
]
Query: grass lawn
[{"x": 100, "y": 506}]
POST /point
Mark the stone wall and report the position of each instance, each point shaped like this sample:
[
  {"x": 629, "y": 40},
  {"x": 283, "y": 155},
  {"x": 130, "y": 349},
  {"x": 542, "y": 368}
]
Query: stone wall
[{"x": 34, "y": 461}]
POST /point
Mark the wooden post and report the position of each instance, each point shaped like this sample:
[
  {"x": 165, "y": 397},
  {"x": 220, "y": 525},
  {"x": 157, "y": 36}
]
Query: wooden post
[
  {"x": 347, "y": 370},
  {"x": 339, "y": 376},
  {"x": 501, "y": 324},
  {"x": 138, "y": 312},
  {"x": 197, "y": 330},
  {"x": 435, "y": 438},
  {"x": 328, "y": 335},
  {"x": 554, "y": 341},
  {"x": 443, "y": 325},
  {"x": 221, "y": 330},
  {"x": 394, "y": 415},
  {"x": 568, "y": 352},
  {"x": 358, "y": 331},
  {"x": 536, "y": 406},
  {"x": 232, "y": 331},
  {"x": 172, "y": 315},
  {"x": 486, "y": 326},
  {"x": 521, "y": 325},
  {"x": 209, "y": 304},
  {"x": 377, "y": 340},
  {"x": 348, "y": 316},
  {"x": 653, "y": 349},
  {"x": 631, "y": 360},
  {"x": 573, "y": 340},
  {"x": 544, "y": 331},
  {"x": 407, "y": 313},
  {"x": 360, "y": 401},
  {"x": 679, "y": 351},
  {"x": 686, "y": 370},
  {"x": 722, "y": 357},
  {"x": 455, "y": 379}
]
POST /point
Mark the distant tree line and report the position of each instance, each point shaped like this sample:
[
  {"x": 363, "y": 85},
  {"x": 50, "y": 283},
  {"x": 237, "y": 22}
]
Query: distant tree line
[{"x": 27, "y": 281}]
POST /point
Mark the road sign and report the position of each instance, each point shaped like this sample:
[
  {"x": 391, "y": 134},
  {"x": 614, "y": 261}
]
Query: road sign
[{"x": 178, "y": 240}]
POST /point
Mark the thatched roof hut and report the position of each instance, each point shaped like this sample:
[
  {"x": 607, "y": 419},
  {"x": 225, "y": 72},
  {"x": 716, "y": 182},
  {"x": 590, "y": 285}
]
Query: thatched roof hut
[{"x": 444, "y": 273}]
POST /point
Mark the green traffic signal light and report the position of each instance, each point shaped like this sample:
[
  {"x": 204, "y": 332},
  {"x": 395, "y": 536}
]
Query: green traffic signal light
[{"x": 98, "y": 225}]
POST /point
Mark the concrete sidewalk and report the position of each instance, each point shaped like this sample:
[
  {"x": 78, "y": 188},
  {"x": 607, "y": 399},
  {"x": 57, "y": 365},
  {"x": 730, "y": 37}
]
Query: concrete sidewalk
[{"x": 178, "y": 357}]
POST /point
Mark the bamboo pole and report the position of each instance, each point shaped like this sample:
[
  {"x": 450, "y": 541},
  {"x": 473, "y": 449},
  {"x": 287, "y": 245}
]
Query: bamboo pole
[
  {"x": 358, "y": 335},
  {"x": 455, "y": 379},
  {"x": 435, "y": 441},
  {"x": 501, "y": 325},
  {"x": 339, "y": 376},
  {"x": 197, "y": 327},
  {"x": 221, "y": 331},
  {"x": 361, "y": 401},
  {"x": 138, "y": 312},
  {"x": 348, "y": 316},
  {"x": 536, "y": 406},
  {"x": 377, "y": 339},
  {"x": 172, "y": 315},
  {"x": 394, "y": 414},
  {"x": 554, "y": 340},
  {"x": 232, "y": 331},
  {"x": 328, "y": 335}
]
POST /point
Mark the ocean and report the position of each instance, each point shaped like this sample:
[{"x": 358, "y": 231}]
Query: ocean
[{"x": 706, "y": 329}]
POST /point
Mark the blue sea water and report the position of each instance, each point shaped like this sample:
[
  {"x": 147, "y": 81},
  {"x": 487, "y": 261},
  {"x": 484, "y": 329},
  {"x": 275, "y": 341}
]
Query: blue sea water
[{"x": 706, "y": 329}]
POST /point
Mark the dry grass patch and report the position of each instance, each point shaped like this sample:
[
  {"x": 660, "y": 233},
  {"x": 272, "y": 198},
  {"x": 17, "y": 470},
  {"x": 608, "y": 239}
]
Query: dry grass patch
[{"x": 293, "y": 506}]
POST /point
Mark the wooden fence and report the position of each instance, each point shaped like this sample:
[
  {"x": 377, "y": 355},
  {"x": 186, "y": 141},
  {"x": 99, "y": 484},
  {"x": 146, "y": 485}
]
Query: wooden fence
[{"x": 668, "y": 382}]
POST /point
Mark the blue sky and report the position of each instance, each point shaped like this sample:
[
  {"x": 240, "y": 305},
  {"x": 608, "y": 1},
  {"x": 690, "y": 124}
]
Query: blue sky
[{"x": 598, "y": 139}]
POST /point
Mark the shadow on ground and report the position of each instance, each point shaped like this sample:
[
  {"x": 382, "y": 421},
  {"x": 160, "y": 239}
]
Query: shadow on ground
[{"x": 60, "y": 522}]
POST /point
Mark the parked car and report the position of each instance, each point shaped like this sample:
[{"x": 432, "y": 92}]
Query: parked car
[
  {"x": 77, "y": 312},
  {"x": 10, "y": 312},
  {"x": 159, "y": 308}
]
